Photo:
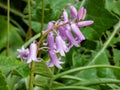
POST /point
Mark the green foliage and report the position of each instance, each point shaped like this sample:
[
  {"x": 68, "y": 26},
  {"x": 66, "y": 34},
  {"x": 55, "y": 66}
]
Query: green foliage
[
  {"x": 94, "y": 65},
  {"x": 14, "y": 38},
  {"x": 102, "y": 18},
  {"x": 3, "y": 83}
]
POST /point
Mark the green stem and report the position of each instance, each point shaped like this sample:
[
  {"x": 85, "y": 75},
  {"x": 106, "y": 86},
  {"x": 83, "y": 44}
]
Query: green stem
[
  {"x": 29, "y": 32},
  {"x": 84, "y": 68},
  {"x": 82, "y": 3},
  {"x": 97, "y": 81},
  {"x": 31, "y": 76},
  {"x": 72, "y": 78},
  {"x": 32, "y": 63},
  {"x": 73, "y": 88},
  {"x": 117, "y": 27},
  {"x": 8, "y": 26},
  {"x": 42, "y": 20}
]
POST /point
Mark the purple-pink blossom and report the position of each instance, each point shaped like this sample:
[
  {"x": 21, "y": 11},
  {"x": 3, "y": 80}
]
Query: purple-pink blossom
[
  {"x": 61, "y": 46},
  {"x": 54, "y": 60},
  {"x": 30, "y": 54}
]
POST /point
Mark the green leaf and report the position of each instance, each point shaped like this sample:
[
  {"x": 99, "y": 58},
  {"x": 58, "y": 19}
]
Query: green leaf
[
  {"x": 41, "y": 81},
  {"x": 90, "y": 33},
  {"x": 22, "y": 70},
  {"x": 116, "y": 58},
  {"x": 9, "y": 64},
  {"x": 42, "y": 69},
  {"x": 14, "y": 38},
  {"x": 104, "y": 72},
  {"x": 113, "y": 6},
  {"x": 3, "y": 82},
  {"x": 103, "y": 20}
]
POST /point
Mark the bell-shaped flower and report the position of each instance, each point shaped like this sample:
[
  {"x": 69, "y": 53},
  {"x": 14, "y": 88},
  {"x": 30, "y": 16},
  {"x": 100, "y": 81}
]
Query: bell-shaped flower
[
  {"x": 50, "y": 40},
  {"x": 65, "y": 16},
  {"x": 61, "y": 31},
  {"x": 73, "y": 11},
  {"x": 81, "y": 14},
  {"x": 32, "y": 53},
  {"x": 50, "y": 25},
  {"x": 84, "y": 23},
  {"x": 77, "y": 32},
  {"x": 71, "y": 39},
  {"x": 61, "y": 46},
  {"x": 54, "y": 60},
  {"x": 23, "y": 53}
]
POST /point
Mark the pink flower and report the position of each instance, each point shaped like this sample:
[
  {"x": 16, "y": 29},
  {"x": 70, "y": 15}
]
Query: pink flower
[
  {"x": 32, "y": 53},
  {"x": 54, "y": 60},
  {"x": 84, "y": 23},
  {"x": 73, "y": 11},
  {"x": 77, "y": 32},
  {"x": 61, "y": 45},
  {"x": 81, "y": 14},
  {"x": 65, "y": 16},
  {"x": 23, "y": 53}
]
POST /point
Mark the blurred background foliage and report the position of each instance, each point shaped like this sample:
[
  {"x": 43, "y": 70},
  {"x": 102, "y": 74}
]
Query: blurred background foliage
[{"x": 14, "y": 74}]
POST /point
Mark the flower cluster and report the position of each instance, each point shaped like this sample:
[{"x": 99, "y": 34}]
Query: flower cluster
[
  {"x": 67, "y": 35},
  {"x": 61, "y": 37}
]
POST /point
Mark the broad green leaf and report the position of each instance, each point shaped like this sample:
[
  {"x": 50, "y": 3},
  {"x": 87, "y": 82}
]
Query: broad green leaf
[
  {"x": 103, "y": 20},
  {"x": 90, "y": 33},
  {"x": 22, "y": 70},
  {"x": 104, "y": 72},
  {"x": 113, "y": 6},
  {"x": 9, "y": 64},
  {"x": 3, "y": 82},
  {"x": 15, "y": 40},
  {"x": 42, "y": 69}
]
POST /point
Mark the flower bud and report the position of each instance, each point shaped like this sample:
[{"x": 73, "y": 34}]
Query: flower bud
[
  {"x": 73, "y": 11},
  {"x": 84, "y": 23}
]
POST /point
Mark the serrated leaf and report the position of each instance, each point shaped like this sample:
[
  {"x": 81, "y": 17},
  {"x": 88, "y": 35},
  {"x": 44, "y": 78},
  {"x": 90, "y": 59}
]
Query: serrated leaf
[{"x": 42, "y": 69}]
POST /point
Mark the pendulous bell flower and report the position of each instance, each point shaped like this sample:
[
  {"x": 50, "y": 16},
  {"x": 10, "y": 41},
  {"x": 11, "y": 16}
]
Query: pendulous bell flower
[
  {"x": 54, "y": 60},
  {"x": 73, "y": 11},
  {"x": 77, "y": 32},
  {"x": 65, "y": 16},
  {"x": 81, "y": 14},
  {"x": 84, "y": 23},
  {"x": 23, "y": 53},
  {"x": 32, "y": 53},
  {"x": 61, "y": 46},
  {"x": 71, "y": 39},
  {"x": 50, "y": 41}
]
